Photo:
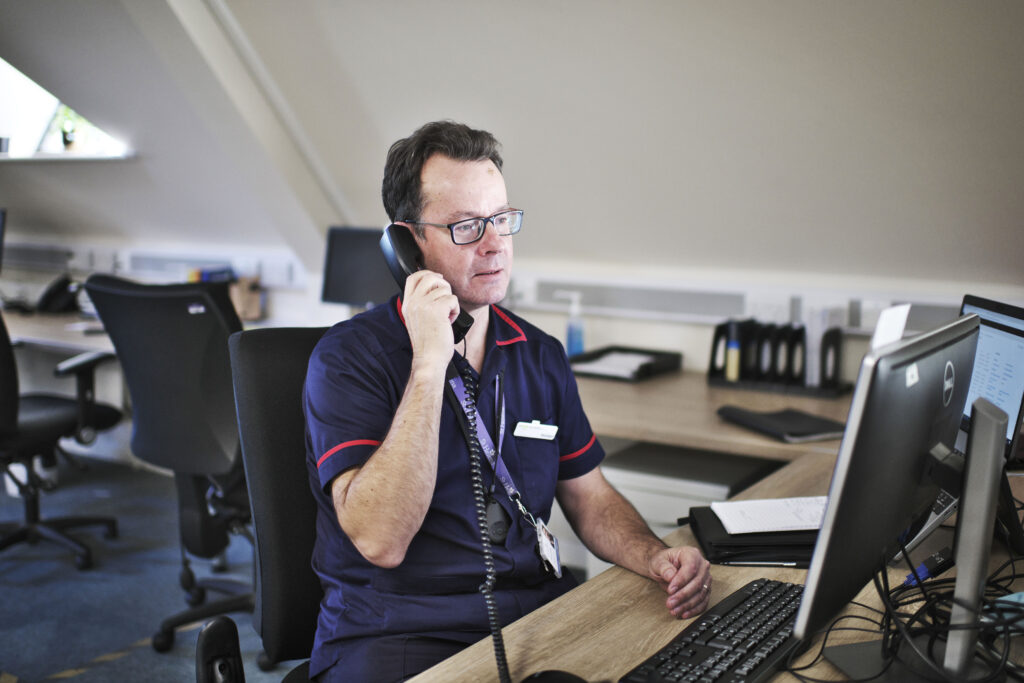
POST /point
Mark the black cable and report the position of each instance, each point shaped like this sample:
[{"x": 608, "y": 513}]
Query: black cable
[
  {"x": 999, "y": 622},
  {"x": 480, "y": 501},
  {"x": 996, "y": 624},
  {"x": 833, "y": 627},
  {"x": 933, "y": 619}
]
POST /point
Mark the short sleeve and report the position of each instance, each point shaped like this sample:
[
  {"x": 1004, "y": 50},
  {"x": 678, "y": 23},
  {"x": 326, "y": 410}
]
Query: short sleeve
[
  {"x": 349, "y": 401},
  {"x": 579, "y": 449}
]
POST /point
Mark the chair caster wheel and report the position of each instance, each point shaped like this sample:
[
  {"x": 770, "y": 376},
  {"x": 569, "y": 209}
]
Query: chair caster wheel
[
  {"x": 265, "y": 663},
  {"x": 196, "y": 596},
  {"x": 186, "y": 578},
  {"x": 163, "y": 641},
  {"x": 83, "y": 562}
]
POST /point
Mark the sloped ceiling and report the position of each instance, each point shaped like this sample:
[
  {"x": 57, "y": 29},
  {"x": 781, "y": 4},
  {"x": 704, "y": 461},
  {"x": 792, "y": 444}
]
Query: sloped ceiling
[
  {"x": 199, "y": 175},
  {"x": 875, "y": 138}
]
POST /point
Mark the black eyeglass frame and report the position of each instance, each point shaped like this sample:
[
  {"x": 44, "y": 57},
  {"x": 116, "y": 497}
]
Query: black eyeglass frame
[{"x": 488, "y": 219}]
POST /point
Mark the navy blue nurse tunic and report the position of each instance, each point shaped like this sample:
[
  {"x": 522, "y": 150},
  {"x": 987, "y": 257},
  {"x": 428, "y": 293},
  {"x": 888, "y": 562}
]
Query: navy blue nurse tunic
[{"x": 357, "y": 376}]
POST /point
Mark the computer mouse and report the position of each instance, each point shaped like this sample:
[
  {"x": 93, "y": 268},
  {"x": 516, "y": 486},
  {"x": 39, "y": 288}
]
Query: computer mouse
[{"x": 553, "y": 676}]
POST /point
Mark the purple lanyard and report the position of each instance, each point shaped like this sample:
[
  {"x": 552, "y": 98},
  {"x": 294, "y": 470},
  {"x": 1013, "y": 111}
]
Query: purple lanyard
[{"x": 483, "y": 436}]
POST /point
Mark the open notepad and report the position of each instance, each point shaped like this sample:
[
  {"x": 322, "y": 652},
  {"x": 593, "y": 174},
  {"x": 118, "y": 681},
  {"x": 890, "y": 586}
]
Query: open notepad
[{"x": 771, "y": 514}]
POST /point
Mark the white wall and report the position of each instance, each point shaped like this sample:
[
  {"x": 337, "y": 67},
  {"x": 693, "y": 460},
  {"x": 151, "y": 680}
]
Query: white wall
[
  {"x": 865, "y": 149},
  {"x": 870, "y": 138}
]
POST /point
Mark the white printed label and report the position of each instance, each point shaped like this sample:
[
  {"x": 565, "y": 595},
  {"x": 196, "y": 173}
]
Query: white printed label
[
  {"x": 912, "y": 375},
  {"x": 536, "y": 430}
]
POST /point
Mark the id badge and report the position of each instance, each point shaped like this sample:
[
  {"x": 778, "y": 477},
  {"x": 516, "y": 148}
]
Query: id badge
[{"x": 547, "y": 545}]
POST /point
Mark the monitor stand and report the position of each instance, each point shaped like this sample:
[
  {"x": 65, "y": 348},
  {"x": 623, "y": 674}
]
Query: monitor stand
[
  {"x": 984, "y": 470},
  {"x": 864, "y": 661}
]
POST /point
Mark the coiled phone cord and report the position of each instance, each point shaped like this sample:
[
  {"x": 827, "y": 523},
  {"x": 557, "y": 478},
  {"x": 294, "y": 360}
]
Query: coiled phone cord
[{"x": 480, "y": 500}]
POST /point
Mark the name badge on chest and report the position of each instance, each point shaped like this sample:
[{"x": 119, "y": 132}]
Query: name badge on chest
[{"x": 536, "y": 430}]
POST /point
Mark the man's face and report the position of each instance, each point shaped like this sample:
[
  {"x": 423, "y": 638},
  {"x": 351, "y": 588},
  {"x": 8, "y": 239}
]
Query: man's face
[{"x": 454, "y": 190}]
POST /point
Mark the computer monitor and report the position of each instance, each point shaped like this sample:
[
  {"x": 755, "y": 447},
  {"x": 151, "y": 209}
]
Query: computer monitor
[
  {"x": 999, "y": 364},
  {"x": 355, "y": 272},
  {"x": 999, "y": 377},
  {"x": 905, "y": 412}
]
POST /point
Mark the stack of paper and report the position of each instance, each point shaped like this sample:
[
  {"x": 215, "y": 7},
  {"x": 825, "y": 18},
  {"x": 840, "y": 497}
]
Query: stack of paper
[
  {"x": 771, "y": 515},
  {"x": 621, "y": 364}
]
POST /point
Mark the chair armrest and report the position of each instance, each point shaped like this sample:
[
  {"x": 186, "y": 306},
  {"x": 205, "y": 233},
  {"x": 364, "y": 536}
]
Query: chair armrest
[
  {"x": 83, "y": 368},
  {"x": 83, "y": 362}
]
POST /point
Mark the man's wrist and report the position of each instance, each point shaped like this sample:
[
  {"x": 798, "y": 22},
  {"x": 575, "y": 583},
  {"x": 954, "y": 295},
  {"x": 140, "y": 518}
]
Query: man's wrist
[
  {"x": 653, "y": 549},
  {"x": 427, "y": 370}
]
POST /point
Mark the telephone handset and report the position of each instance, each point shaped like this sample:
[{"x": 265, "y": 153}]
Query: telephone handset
[
  {"x": 60, "y": 296},
  {"x": 403, "y": 255}
]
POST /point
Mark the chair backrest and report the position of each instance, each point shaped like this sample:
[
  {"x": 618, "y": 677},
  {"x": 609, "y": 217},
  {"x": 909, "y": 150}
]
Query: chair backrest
[
  {"x": 172, "y": 343},
  {"x": 269, "y": 368},
  {"x": 8, "y": 384}
]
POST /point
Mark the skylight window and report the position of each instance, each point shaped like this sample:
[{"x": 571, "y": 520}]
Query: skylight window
[{"x": 35, "y": 123}]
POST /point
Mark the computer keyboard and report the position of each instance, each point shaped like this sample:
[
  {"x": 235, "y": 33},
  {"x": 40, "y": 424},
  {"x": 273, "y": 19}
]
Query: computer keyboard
[{"x": 746, "y": 637}]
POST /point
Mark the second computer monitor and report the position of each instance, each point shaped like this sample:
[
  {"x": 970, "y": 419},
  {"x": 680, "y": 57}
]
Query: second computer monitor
[
  {"x": 906, "y": 406},
  {"x": 999, "y": 362},
  {"x": 354, "y": 269}
]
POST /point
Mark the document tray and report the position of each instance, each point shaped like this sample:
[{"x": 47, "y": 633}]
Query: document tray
[
  {"x": 790, "y": 548},
  {"x": 625, "y": 363}
]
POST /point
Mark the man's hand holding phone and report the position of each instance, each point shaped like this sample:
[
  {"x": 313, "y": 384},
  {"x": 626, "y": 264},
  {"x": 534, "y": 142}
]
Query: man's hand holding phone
[{"x": 429, "y": 308}]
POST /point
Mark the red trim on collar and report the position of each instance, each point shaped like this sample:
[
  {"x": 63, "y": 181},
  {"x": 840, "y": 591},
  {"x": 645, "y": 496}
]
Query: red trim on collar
[
  {"x": 520, "y": 337},
  {"x": 505, "y": 342},
  {"x": 580, "y": 451}
]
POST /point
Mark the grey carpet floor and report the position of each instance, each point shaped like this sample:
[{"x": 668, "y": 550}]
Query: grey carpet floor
[{"x": 59, "y": 623}]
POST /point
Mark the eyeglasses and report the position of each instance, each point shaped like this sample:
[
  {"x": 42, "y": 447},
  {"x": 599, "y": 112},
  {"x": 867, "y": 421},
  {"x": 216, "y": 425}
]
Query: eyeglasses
[{"x": 507, "y": 222}]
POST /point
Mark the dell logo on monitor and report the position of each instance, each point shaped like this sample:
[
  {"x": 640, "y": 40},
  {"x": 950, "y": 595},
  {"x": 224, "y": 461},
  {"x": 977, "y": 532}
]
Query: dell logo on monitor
[{"x": 947, "y": 383}]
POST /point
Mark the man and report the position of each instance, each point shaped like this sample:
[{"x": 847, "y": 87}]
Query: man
[{"x": 389, "y": 437}]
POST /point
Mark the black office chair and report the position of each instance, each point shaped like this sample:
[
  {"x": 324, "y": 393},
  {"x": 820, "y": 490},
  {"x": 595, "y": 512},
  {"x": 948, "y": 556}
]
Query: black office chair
[
  {"x": 31, "y": 425},
  {"x": 172, "y": 344},
  {"x": 269, "y": 367}
]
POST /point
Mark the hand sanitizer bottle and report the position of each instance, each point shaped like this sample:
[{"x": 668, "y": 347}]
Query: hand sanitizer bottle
[{"x": 574, "y": 330}]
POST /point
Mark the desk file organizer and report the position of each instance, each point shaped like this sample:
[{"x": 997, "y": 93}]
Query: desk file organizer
[{"x": 773, "y": 358}]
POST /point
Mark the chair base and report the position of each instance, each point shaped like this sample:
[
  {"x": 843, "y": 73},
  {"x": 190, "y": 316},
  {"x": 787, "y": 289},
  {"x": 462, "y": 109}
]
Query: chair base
[
  {"x": 163, "y": 640},
  {"x": 35, "y": 529}
]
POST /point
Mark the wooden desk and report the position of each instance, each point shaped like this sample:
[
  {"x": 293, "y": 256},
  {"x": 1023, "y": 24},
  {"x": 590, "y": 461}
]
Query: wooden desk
[
  {"x": 60, "y": 333},
  {"x": 617, "y": 606},
  {"x": 47, "y": 339},
  {"x": 679, "y": 409},
  {"x": 608, "y": 625}
]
